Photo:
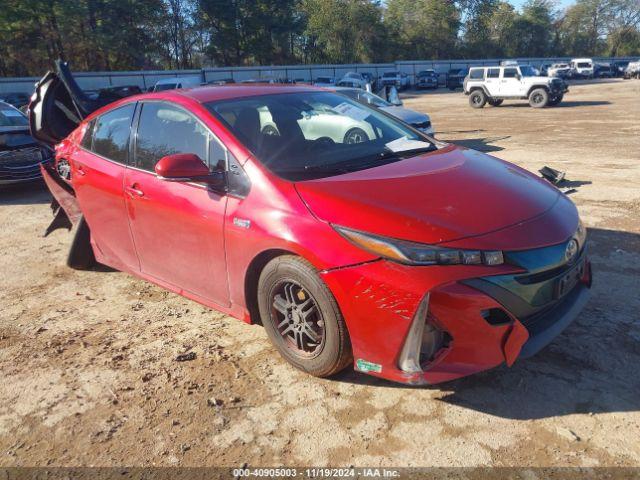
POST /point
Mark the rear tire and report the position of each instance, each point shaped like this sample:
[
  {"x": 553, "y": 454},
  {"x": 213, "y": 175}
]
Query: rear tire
[
  {"x": 302, "y": 317},
  {"x": 477, "y": 99},
  {"x": 539, "y": 98}
]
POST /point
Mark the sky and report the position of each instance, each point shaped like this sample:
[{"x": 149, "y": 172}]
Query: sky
[{"x": 562, "y": 4}]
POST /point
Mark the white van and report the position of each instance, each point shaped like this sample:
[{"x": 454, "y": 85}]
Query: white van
[
  {"x": 176, "y": 82},
  {"x": 582, "y": 67}
]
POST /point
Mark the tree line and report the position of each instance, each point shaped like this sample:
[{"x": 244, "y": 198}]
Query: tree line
[{"x": 96, "y": 35}]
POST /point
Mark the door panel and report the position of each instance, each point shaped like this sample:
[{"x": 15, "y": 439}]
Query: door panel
[
  {"x": 177, "y": 226},
  {"x": 98, "y": 182},
  {"x": 178, "y": 232},
  {"x": 510, "y": 85}
]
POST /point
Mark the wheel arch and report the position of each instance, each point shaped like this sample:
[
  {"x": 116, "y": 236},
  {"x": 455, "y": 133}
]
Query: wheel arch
[
  {"x": 535, "y": 87},
  {"x": 252, "y": 275},
  {"x": 480, "y": 87}
]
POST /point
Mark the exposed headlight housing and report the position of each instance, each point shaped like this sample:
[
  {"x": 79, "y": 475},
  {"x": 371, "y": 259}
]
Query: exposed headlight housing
[
  {"x": 581, "y": 234},
  {"x": 411, "y": 253}
]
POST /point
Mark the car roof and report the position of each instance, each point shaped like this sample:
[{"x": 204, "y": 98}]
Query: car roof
[{"x": 225, "y": 92}]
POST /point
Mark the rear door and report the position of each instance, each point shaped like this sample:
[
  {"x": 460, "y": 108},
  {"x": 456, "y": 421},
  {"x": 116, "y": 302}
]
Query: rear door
[
  {"x": 97, "y": 175},
  {"x": 177, "y": 226},
  {"x": 510, "y": 85}
]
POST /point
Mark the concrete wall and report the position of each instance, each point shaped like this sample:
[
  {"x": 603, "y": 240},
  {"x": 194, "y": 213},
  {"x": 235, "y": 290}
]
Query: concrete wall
[{"x": 145, "y": 79}]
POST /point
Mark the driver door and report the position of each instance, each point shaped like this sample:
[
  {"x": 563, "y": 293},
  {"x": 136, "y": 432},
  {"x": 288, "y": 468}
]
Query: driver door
[
  {"x": 177, "y": 226},
  {"x": 510, "y": 83}
]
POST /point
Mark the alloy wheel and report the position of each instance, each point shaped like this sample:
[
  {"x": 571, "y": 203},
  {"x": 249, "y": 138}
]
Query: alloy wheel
[{"x": 297, "y": 319}]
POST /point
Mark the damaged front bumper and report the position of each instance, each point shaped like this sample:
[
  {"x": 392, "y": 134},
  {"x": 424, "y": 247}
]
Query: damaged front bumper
[
  {"x": 64, "y": 204},
  {"x": 393, "y": 311}
]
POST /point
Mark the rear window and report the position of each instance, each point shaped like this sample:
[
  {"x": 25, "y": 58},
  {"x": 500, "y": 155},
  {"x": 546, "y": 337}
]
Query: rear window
[
  {"x": 10, "y": 117},
  {"x": 476, "y": 74}
]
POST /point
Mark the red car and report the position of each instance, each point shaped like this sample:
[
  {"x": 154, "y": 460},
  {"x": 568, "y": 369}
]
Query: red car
[{"x": 350, "y": 236}]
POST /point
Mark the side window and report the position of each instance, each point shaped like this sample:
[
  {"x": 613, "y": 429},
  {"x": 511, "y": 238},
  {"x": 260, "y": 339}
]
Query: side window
[
  {"x": 476, "y": 74},
  {"x": 493, "y": 73},
  {"x": 111, "y": 137},
  {"x": 87, "y": 139},
  {"x": 510, "y": 73},
  {"x": 165, "y": 130},
  {"x": 217, "y": 155}
]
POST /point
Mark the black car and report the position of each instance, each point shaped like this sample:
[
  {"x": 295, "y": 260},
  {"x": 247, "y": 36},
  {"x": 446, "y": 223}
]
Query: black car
[
  {"x": 427, "y": 79},
  {"x": 20, "y": 154},
  {"x": 619, "y": 67},
  {"x": 603, "y": 71},
  {"x": 455, "y": 77}
]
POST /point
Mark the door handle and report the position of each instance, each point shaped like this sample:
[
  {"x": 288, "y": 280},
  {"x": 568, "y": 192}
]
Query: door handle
[
  {"x": 81, "y": 170},
  {"x": 134, "y": 191}
]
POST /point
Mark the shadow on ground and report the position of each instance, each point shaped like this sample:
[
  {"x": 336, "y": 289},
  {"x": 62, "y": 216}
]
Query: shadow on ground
[
  {"x": 24, "y": 194},
  {"x": 590, "y": 368},
  {"x": 563, "y": 104},
  {"x": 483, "y": 144}
]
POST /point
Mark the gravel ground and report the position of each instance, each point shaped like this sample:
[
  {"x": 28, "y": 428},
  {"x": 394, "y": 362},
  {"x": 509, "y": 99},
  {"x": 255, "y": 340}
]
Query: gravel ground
[{"x": 90, "y": 376}]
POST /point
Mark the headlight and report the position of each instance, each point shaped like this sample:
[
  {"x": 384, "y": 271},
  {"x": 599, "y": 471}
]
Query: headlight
[{"x": 411, "y": 253}]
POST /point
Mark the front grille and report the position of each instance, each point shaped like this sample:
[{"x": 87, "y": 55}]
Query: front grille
[
  {"x": 21, "y": 165},
  {"x": 25, "y": 156}
]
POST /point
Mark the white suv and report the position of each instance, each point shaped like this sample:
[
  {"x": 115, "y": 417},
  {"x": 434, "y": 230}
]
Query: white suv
[{"x": 493, "y": 85}]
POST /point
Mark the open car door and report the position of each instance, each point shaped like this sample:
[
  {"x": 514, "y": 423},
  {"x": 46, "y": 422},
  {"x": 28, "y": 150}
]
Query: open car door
[{"x": 58, "y": 105}]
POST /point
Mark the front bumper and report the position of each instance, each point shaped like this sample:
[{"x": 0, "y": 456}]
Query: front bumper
[{"x": 379, "y": 301}]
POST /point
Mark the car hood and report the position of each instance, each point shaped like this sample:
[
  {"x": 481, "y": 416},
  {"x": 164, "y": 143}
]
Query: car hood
[
  {"x": 442, "y": 196},
  {"x": 406, "y": 115}
]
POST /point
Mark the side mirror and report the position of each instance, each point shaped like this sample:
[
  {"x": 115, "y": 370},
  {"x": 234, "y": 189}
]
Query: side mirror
[
  {"x": 518, "y": 76},
  {"x": 393, "y": 97},
  {"x": 187, "y": 167}
]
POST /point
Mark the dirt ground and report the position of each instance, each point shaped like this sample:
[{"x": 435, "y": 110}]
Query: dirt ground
[{"x": 88, "y": 359}]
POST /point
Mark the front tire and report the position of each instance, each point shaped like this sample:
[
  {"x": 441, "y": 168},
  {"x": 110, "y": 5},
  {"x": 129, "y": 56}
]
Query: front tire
[
  {"x": 302, "y": 317},
  {"x": 477, "y": 99},
  {"x": 355, "y": 135},
  {"x": 555, "y": 100},
  {"x": 539, "y": 98}
]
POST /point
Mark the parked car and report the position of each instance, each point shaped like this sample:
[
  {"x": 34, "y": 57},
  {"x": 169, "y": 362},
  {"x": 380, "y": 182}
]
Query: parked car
[
  {"x": 413, "y": 260},
  {"x": 17, "y": 99},
  {"x": 619, "y": 67},
  {"x": 560, "y": 70},
  {"x": 426, "y": 79},
  {"x": 176, "y": 82},
  {"x": 603, "y": 70},
  {"x": 582, "y": 68},
  {"x": 400, "y": 80},
  {"x": 419, "y": 121},
  {"x": 493, "y": 85},
  {"x": 354, "y": 80},
  {"x": 455, "y": 78},
  {"x": 325, "y": 81},
  {"x": 632, "y": 70},
  {"x": 20, "y": 154},
  {"x": 222, "y": 81}
]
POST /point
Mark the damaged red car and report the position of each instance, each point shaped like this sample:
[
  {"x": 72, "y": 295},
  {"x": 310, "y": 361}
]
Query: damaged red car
[{"x": 350, "y": 236}]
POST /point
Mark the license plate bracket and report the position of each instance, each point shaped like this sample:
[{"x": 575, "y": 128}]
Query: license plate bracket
[{"x": 570, "y": 279}]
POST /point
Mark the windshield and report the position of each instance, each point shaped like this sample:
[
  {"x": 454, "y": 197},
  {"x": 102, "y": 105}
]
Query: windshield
[
  {"x": 584, "y": 65},
  {"x": 366, "y": 97},
  {"x": 306, "y": 135},
  {"x": 527, "y": 71},
  {"x": 10, "y": 117}
]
